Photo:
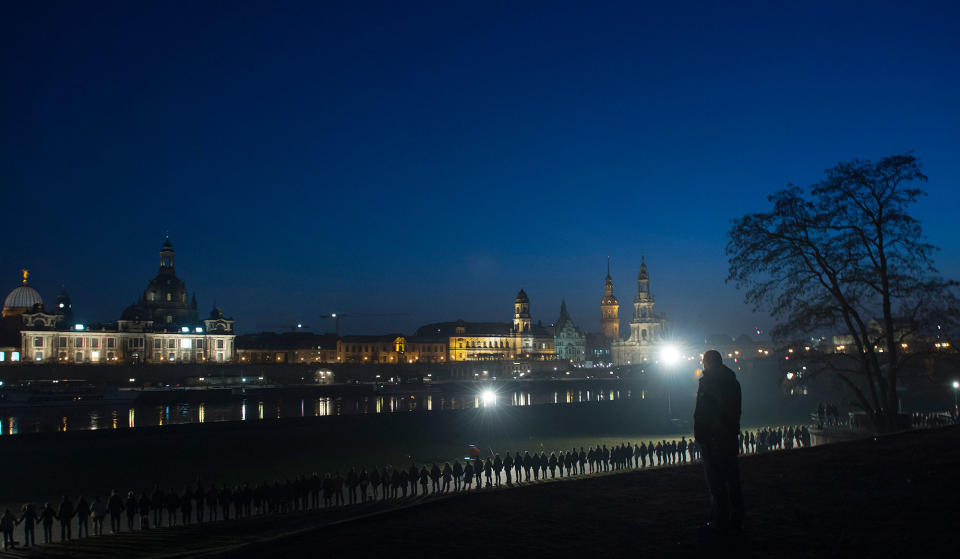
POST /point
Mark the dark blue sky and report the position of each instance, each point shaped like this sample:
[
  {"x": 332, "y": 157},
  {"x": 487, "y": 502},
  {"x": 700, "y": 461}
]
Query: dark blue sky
[{"x": 432, "y": 159}]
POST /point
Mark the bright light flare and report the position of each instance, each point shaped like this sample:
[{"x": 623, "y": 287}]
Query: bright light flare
[
  {"x": 669, "y": 354},
  {"x": 489, "y": 397}
]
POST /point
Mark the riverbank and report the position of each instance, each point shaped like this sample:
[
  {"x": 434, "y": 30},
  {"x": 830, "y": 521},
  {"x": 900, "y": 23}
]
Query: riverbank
[
  {"x": 890, "y": 496},
  {"x": 43, "y": 466}
]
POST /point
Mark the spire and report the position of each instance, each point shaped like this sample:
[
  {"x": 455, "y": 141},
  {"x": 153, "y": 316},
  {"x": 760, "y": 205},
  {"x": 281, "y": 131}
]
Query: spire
[
  {"x": 26, "y": 274},
  {"x": 608, "y": 266}
]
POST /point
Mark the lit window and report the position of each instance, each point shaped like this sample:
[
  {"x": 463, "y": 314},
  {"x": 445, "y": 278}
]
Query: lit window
[{"x": 186, "y": 343}]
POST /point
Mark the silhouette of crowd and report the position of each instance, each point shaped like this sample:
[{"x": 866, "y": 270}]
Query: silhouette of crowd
[
  {"x": 208, "y": 502},
  {"x": 773, "y": 438}
]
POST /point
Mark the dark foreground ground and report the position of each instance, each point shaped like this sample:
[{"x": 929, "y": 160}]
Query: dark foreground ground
[{"x": 893, "y": 496}]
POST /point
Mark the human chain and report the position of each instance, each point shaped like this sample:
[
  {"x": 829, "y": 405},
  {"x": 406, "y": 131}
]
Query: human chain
[{"x": 208, "y": 503}]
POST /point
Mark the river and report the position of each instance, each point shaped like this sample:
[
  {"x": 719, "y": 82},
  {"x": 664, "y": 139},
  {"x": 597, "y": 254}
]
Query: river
[{"x": 177, "y": 408}]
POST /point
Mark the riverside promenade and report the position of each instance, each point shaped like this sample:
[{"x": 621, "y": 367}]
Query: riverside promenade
[{"x": 889, "y": 496}]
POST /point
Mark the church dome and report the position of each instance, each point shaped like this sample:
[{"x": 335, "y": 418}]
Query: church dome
[
  {"x": 23, "y": 297},
  {"x": 522, "y": 297},
  {"x": 134, "y": 312}
]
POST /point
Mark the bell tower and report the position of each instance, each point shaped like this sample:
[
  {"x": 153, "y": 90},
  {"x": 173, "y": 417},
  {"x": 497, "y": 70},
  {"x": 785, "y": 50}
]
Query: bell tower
[
  {"x": 609, "y": 308},
  {"x": 521, "y": 313},
  {"x": 166, "y": 256},
  {"x": 645, "y": 325}
]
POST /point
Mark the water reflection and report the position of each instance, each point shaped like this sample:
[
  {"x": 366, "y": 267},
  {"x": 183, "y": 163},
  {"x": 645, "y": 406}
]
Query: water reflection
[{"x": 31, "y": 420}]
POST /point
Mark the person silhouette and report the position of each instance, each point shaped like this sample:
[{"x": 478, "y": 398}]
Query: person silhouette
[
  {"x": 716, "y": 422},
  {"x": 65, "y": 514},
  {"x": 47, "y": 516},
  {"x": 7, "y": 523},
  {"x": 143, "y": 506},
  {"x": 115, "y": 509},
  {"x": 130, "y": 505},
  {"x": 29, "y": 518},
  {"x": 82, "y": 512},
  {"x": 98, "y": 511}
]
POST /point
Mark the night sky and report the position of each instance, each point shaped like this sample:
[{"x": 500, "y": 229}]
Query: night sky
[{"x": 432, "y": 159}]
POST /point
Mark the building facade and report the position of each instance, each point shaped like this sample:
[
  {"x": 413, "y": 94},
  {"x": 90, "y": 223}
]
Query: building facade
[
  {"x": 391, "y": 348},
  {"x": 161, "y": 327},
  {"x": 495, "y": 341},
  {"x": 287, "y": 347},
  {"x": 569, "y": 342},
  {"x": 646, "y": 327}
]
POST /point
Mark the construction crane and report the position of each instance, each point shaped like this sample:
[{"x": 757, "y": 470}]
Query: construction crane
[{"x": 337, "y": 316}]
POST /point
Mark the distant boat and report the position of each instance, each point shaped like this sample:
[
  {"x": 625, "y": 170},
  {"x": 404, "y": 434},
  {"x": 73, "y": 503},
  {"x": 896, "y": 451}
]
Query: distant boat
[{"x": 65, "y": 398}]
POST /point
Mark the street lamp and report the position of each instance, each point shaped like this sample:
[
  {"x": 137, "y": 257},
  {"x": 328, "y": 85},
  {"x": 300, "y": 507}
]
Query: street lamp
[
  {"x": 669, "y": 356},
  {"x": 956, "y": 400}
]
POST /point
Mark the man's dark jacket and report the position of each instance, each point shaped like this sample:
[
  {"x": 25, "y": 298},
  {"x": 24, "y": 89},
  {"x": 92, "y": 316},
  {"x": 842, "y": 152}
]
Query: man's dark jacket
[{"x": 717, "y": 417}]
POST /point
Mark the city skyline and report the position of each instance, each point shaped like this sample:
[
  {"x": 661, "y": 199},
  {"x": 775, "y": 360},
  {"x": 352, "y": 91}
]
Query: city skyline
[{"x": 433, "y": 160}]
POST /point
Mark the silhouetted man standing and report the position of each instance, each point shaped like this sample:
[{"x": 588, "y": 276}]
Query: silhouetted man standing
[{"x": 716, "y": 423}]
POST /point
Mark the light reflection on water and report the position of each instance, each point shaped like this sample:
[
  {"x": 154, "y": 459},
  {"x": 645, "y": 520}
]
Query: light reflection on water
[{"x": 32, "y": 420}]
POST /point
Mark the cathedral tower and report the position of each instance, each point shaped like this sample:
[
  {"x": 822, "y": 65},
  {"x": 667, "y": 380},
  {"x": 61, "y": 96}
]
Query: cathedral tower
[
  {"x": 609, "y": 309},
  {"x": 521, "y": 313},
  {"x": 645, "y": 326}
]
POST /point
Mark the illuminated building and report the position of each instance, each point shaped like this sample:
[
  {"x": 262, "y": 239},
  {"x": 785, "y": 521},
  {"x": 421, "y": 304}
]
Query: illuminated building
[
  {"x": 646, "y": 328},
  {"x": 23, "y": 299},
  {"x": 495, "y": 341},
  {"x": 287, "y": 347},
  {"x": 162, "y": 327},
  {"x": 569, "y": 342},
  {"x": 391, "y": 348},
  {"x": 609, "y": 309}
]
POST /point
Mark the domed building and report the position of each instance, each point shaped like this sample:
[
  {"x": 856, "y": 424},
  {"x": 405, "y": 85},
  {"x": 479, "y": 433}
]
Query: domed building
[
  {"x": 164, "y": 302},
  {"x": 22, "y": 308},
  {"x": 22, "y": 300},
  {"x": 161, "y": 327}
]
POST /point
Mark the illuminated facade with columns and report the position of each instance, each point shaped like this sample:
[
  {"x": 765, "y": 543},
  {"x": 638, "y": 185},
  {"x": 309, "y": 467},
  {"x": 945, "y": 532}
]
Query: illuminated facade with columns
[
  {"x": 161, "y": 327},
  {"x": 495, "y": 341}
]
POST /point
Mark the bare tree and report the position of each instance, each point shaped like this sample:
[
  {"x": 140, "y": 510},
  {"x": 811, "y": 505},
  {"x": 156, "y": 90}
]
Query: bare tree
[{"x": 839, "y": 255}]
